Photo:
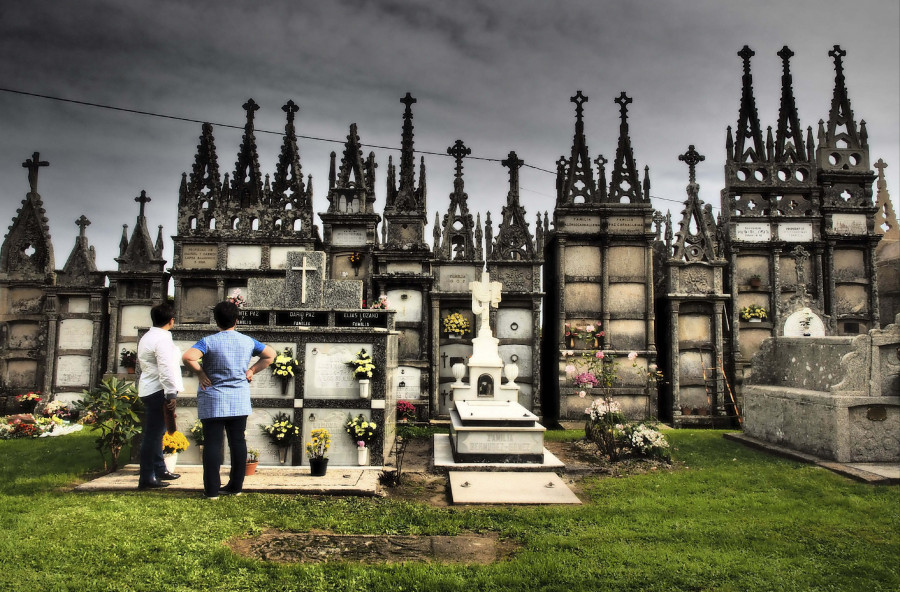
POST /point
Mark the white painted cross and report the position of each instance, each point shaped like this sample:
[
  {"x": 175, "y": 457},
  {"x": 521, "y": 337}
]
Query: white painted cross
[
  {"x": 485, "y": 294},
  {"x": 303, "y": 269}
]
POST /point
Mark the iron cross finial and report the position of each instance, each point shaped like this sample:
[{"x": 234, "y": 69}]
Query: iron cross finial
[
  {"x": 692, "y": 158},
  {"x": 33, "y": 164},
  {"x": 408, "y": 100},
  {"x": 142, "y": 199},
  {"x": 459, "y": 151}
]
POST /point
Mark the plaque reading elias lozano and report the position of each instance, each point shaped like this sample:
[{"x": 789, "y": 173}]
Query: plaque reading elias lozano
[{"x": 363, "y": 319}]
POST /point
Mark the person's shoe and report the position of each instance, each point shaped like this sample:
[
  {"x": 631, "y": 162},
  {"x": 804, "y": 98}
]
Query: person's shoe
[
  {"x": 211, "y": 497},
  {"x": 152, "y": 485},
  {"x": 167, "y": 476},
  {"x": 226, "y": 491}
]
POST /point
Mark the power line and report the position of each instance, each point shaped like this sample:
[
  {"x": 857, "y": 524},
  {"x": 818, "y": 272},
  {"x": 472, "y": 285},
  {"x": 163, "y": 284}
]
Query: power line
[{"x": 276, "y": 133}]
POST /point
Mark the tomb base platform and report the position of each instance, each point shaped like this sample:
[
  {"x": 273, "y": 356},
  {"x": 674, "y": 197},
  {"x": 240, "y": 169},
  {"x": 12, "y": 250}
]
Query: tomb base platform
[
  {"x": 495, "y": 432},
  {"x": 444, "y": 461}
]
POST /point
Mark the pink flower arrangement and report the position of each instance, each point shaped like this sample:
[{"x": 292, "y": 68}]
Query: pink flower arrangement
[
  {"x": 586, "y": 379},
  {"x": 632, "y": 356}
]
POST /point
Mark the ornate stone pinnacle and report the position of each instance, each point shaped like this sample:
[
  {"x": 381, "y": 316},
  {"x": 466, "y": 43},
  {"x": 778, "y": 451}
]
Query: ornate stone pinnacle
[
  {"x": 82, "y": 223},
  {"x": 561, "y": 162},
  {"x": 692, "y": 158},
  {"x": 142, "y": 199},
  {"x": 600, "y": 161},
  {"x": 459, "y": 151},
  {"x": 408, "y": 100},
  {"x": 579, "y": 100},
  {"x": 786, "y": 54},
  {"x": 512, "y": 161},
  {"x": 623, "y": 100},
  {"x": 837, "y": 53},
  {"x": 250, "y": 106},
  {"x": 33, "y": 164},
  {"x": 746, "y": 53},
  {"x": 290, "y": 108}
]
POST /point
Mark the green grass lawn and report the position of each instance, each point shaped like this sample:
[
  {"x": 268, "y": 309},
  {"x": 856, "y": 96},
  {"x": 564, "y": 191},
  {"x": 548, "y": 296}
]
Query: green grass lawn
[{"x": 730, "y": 519}]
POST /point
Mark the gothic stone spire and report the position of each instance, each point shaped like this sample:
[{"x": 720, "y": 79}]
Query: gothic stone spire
[
  {"x": 458, "y": 240},
  {"x": 514, "y": 241},
  {"x": 789, "y": 135},
  {"x": 700, "y": 245},
  {"x": 576, "y": 176},
  {"x": 246, "y": 183},
  {"x": 27, "y": 250},
  {"x": 625, "y": 185},
  {"x": 748, "y": 127},
  {"x": 140, "y": 254}
]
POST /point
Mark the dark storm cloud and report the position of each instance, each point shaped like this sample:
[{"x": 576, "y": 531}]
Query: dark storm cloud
[{"x": 496, "y": 74}]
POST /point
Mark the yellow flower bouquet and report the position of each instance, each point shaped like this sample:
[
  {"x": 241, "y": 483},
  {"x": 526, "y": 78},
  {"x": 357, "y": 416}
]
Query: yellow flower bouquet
[
  {"x": 456, "y": 324},
  {"x": 321, "y": 440},
  {"x": 174, "y": 442}
]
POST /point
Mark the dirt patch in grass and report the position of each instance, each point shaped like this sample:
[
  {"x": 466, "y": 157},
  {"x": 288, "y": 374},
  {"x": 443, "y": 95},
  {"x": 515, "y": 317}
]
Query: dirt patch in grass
[{"x": 318, "y": 547}]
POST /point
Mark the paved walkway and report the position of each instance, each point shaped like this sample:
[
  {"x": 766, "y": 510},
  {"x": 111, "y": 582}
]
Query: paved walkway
[{"x": 337, "y": 480}]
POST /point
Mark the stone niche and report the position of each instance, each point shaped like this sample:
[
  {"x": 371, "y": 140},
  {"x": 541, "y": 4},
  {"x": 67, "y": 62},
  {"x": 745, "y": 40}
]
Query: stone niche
[
  {"x": 627, "y": 299},
  {"x": 407, "y": 303},
  {"x": 23, "y": 335},
  {"x": 627, "y": 263},
  {"x": 410, "y": 344},
  {"x": 133, "y": 317},
  {"x": 21, "y": 373},
  {"x": 583, "y": 296},
  {"x": 76, "y": 334},
  {"x": 851, "y": 299},
  {"x": 408, "y": 383},
  {"x": 278, "y": 256},
  {"x": 750, "y": 265},
  {"x": 694, "y": 328},
  {"x": 849, "y": 265},
  {"x": 197, "y": 303},
  {"x": 25, "y": 300},
  {"x": 243, "y": 257},
  {"x": 514, "y": 323},
  {"x": 344, "y": 270},
  {"x": 628, "y": 335},
  {"x": 73, "y": 371},
  {"x": 78, "y": 305},
  {"x": 583, "y": 261}
]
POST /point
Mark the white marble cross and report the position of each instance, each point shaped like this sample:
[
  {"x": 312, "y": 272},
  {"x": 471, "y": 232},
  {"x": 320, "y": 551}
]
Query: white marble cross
[
  {"x": 303, "y": 269},
  {"x": 485, "y": 294}
]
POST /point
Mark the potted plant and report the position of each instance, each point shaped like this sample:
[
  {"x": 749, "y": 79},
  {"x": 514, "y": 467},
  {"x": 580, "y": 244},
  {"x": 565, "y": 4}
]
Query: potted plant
[
  {"x": 755, "y": 281},
  {"x": 363, "y": 369},
  {"x": 284, "y": 367},
  {"x": 315, "y": 452},
  {"x": 29, "y": 401},
  {"x": 381, "y": 304},
  {"x": 282, "y": 432},
  {"x": 406, "y": 411},
  {"x": 128, "y": 359},
  {"x": 172, "y": 445},
  {"x": 455, "y": 325},
  {"x": 196, "y": 432},
  {"x": 753, "y": 313},
  {"x": 252, "y": 461},
  {"x": 114, "y": 409},
  {"x": 362, "y": 431}
]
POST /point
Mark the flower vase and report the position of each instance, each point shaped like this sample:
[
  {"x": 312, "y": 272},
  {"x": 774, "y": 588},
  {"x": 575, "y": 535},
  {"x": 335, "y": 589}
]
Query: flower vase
[
  {"x": 251, "y": 468},
  {"x": 171, "y": 460},
  {"x": 283, "y": 454},
  {"x": 755, "y": 320},
  {"x": 365, "y": 387},
  {"x": 285, "y": 383},
  {"x": 130, "y": 370},
  {"x": 318, "y": 466},
  {"x": 362, "y": 456},
  {"x": 454, "y": 336}
]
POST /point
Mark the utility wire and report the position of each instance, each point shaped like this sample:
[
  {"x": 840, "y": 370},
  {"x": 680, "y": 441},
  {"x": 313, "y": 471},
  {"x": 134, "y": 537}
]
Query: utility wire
[{"x": 276, "y": 133}]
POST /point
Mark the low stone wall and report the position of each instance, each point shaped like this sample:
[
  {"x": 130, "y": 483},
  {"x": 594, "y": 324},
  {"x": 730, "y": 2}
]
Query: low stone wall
[{"x": 837, "y": 398}]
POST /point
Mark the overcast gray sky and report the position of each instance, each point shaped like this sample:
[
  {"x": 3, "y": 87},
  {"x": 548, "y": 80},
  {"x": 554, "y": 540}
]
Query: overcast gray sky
[{"x": 497, "y": 75}]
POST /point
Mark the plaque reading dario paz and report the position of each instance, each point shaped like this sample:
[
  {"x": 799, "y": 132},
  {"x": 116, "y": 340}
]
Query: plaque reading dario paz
[{"x": 301, "y": 318}]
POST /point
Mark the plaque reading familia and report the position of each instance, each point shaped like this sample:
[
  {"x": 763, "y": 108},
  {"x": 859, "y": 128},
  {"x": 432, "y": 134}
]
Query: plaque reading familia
[
  {"x": 581, "y": 224},
  {"x": 199, "y": 256},
  {"x": 753, "y": 232},
  {"x": 626, "y": 224},
  {"x": 795, "y": 232},
  {"x": 362, "y": 318},
  {"x": 301, "y": 318},
  {"x": 253, "y": 317},
  {"x": 348, "y": 237}
]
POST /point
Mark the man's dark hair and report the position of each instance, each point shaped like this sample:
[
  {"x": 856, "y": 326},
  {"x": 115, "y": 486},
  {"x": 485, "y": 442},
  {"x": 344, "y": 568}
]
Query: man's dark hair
[
  {"x": 161, "y": 314},
  {"x": 226, "y": 314}
]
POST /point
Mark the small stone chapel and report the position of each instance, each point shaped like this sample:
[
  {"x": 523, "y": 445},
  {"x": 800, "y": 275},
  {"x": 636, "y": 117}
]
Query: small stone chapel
[{"x": 666, "y": 302}]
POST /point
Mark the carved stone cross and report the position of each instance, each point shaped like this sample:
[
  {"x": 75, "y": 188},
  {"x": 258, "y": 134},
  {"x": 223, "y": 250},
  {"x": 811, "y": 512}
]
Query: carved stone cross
[
  {"x": 33, "y": 164},
  {"x": 303, "y": 269},
  {"x": 142, "y": 199},
  {"x": 485, "y": 294},
  {"x": 579, "y": 100},
  {"x": 623, "y": 100},
  {"x": 82, "y": 223},
  {"x": 800, "y": 259},
  {"x": 746, "y": 53},
  {"x": 459, "y": 151},
  {"x": 513, "y": 163},
  {"x": 290, "y": 108},
  {"x": 692, "y": 158},
  {"x": 250, "y": 106},
  {"x": 785, "y": 54},
  {"x": 880, "y": 165},
  {"x": 408, "y": 100}
]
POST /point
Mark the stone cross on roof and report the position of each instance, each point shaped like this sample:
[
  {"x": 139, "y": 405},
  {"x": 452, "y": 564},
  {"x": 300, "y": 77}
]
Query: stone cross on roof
[
  {"x": 513, "y": 163},
  {"x": 408, "y": 100},
  {"x": 33, "y": 164},
  {"x": 304, "y": 283},
  {"x": 82, "y": 223},
  {"x": 623, "y": 101},
  {"x": 785, "y": 54},
  {"x": 579, "y": 100},
  {"x": 459, "y": 151},
  {"x": 692, "y": 158},
  {"x": 746, "y": 53},
  {"x": 142, "y": 199},
  {"x": 290, "y": 108}
]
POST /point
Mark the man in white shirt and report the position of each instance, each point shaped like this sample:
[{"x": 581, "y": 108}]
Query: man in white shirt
[{"x": 159, "y": 385}]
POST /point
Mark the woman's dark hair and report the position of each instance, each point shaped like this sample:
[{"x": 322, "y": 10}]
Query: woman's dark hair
[{"x": 226, "y": 314}]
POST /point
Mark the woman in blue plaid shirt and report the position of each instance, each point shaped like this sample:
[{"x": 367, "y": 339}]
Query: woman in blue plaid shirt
[{"x": 223, "y": 399}]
